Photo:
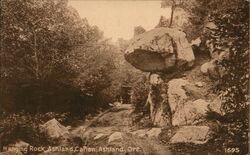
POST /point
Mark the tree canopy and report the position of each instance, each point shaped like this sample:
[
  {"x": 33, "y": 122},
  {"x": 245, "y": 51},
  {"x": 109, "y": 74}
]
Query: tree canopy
[{"x": 40, "y": 46}]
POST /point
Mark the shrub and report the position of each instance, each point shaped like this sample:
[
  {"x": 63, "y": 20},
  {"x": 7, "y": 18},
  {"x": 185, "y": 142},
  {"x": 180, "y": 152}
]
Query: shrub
[
  {"x": 139, "y": 97},
  {"x": 140, "y": 93},
  {"x": 23, "y": 127},
  {"x": 231, "y": 36}
]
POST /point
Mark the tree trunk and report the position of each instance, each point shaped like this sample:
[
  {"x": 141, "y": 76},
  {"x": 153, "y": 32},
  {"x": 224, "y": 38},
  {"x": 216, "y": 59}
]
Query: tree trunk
[
  {"x": 1, "y": 57},
  {"x": 36, "y": 57},
  {"x": 172, "y": 16},
  {"x": 38, "y": 78}
]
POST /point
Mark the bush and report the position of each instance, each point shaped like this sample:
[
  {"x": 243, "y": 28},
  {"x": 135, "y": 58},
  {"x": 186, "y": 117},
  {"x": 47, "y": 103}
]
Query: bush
[
  {"x": 140, "y": 94},
  {"x": 231, "y": 36},
  {"x": 139, "y": 97},
  {"x": 21, "y": 126},
  {"x": 64, "y": 118}
]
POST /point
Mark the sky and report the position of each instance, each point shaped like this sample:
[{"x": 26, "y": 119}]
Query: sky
[{"x": 117, "y": 18}]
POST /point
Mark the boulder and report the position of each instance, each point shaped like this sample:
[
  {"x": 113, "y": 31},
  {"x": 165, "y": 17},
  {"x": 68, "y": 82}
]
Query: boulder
[
  {"x": 140, "y": 133},
  {"x": 99, "y": 136},
  {"x": 116, "y": 136},
  {"x": 117, "y": 104},
  {"x": 160, "y": 50},
  {"x": 54, "y": 129},
  {"x": 176, "y": 93},
  {"x": 190, "y": 113},
  {"x": 79, "y": 132},
  {"x": 20, "y": 147},
  {"x": 191, "y": 134},
  {"x": 211, "y": 69},
  {"x": 215, "y": 106},
  {"x": 154, "y": 132},
  {"x": 205, "y": 67},
  {"x": 193, "y": 91},
  {"x": 20, "y": 144},
  {"x": 165, "y": 98},
  {"x": 196, "y": 42},
  {"x": 155, "y": 79}
]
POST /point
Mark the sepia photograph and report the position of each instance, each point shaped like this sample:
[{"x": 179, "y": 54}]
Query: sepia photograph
[{"x": 124, "y": 77}]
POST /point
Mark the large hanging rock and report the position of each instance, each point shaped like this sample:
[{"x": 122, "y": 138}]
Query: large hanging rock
[
  {"x": 190, "y": 113},
  {"x": 191, "y": 134},
  {"x": 160, "y": 50}
]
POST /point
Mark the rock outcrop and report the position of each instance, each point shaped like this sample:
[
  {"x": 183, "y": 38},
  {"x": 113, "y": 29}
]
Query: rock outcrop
[
  {"x": 191, "y": 134},
  {"x": 176, "y": 97},
  {"x": 180, "y": 91},
  {"x": 190, "y": 113},
  {"x": 160, "y": 50},
  {"x": 176, "y": 94}
]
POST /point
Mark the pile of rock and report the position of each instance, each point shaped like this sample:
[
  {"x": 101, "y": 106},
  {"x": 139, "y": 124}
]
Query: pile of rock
[{"x": 173, "y": 101}]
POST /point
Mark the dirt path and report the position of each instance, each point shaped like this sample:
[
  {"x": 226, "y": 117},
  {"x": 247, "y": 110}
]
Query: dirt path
[{"x": 113, "y": 129}]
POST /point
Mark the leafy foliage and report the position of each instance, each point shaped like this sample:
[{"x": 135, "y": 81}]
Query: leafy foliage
[
  {"x": 186, "y": 5},
  {"x": 51, "y": 59},
  {"x": 232, "y": 36},
  {"x": 24, "y": 127},
  {"x": 229, "y": 37},
  {"x": 140, "y": 94}
]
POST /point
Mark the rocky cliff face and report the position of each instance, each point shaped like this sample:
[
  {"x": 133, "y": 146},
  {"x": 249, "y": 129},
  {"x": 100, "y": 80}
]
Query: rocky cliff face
[
  {"x": 178, "y": 93},
  {"x": 163, "y": 50}
]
